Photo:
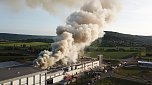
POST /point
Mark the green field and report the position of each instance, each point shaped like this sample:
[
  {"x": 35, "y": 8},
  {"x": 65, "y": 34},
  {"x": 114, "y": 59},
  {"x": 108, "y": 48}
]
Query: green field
[
  {"x": 110, "y": 55},
  {"x": 22, "y": 51},
  {"x": 22, "y": 43},
  {"x": 136, "y": 72},
  {"x": 147, "y": 59},
  {"x": 117, "y": 48},
  {"x": 16, "y": 58},
  {"x": 116, "y": 81},
  {"x": 105, "y": 81},
  {"x": 128, "y": 72}
]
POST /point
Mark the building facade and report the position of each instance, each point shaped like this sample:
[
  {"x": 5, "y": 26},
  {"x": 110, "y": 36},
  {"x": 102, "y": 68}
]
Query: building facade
[{"x": 28, "y": 75}]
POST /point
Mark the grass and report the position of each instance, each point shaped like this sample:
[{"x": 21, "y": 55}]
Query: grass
[
  {"x": 147, "y": 58},
  {"x": 110, "y": 55},
  {"x": 16, "y": 58},
  {"x": 136, "y": 72},
  {"x": 112, "y": 62},
  {"x": 81, "y": 80},
  {"x": 12, "y": 51},
  {"x": 118, "y": 48},
  {"x": 106, "y": 81},
  {"x": 116, "y": 81},
  {"x": 22, "y": 43},
  {"x": 128, "y": 72}
]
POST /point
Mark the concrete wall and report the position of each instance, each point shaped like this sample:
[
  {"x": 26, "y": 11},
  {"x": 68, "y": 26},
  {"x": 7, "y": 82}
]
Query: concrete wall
[
  {"x": 16, "y": 82},
  {"x": 88, "y": 66},
  {"x": 96, "y": 63},
  {"x": 38, "y": 79},
  {"x": 58, "y": 78},
  {"x": 7, "y": 83},
  {"x": 30, "y": 80},
  {"x": 41, "y": 77}
]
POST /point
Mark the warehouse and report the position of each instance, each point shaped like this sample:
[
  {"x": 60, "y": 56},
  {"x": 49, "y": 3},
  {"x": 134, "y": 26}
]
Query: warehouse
[
  {"x": 145, "y": 64},
  {"x": 22, "y": 75},
  {"x": 29, "y": 75}
]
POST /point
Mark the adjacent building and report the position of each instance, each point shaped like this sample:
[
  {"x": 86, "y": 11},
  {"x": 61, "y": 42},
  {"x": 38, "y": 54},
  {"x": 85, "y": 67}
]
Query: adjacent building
[
  {"x": 29, "y": 75},
  {"x": 22, "y": 75},
  {"x": 145, "y": 64}
]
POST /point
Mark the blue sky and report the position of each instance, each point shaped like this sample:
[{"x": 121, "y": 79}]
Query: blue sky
[{"x": 135, "y": 18}]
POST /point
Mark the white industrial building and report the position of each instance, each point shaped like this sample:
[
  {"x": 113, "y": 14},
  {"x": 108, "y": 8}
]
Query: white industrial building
[
  {"x": 29, "y": 75},
  {"x": 145, "y": 64},
  {"x": 22, "y": 75}
]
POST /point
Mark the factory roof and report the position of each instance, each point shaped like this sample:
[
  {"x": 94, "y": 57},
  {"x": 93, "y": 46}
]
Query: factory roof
[
  {"x": 145, "y": 62},
  {"x": 18, "y": 71}
]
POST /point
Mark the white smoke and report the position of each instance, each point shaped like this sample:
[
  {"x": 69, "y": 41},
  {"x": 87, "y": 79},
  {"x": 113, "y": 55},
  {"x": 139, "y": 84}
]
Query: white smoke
[
  {"x": 82, "y": 28},
  {"x": 51, "y": 6}
]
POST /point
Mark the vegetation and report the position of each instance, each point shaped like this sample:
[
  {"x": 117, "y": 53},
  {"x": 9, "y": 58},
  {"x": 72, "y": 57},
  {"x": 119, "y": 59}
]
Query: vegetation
[
  {"x": 17, "y": 58},
  {"x": 111, "y": 62},
  {"x": 136, "y": 72},
  {"x": 22, "y": 44},
  {"x": 111, "y": 55},
  {"x": 21, "y": 51},
  {"x": 114, "y": 39},
  {"x": 147, "y": 59},
  {"x": 116, "y": 49},
  {"x": 12, "y": 37},
  {"x": 112, "y": 46},
  {"x": 116, "y": 81},
  {"x": 110, "y": 39}
]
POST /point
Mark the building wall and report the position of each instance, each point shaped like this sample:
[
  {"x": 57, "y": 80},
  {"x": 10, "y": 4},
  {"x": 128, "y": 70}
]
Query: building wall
[
  {"x": 58, "y": 78},
  {"x": 52, "y": 75},
  {"x": 41, "y": 77},
  {"x": 88, "y": 66},
  {"x": 7, "y": 83},
  {"x": 95, "y": 64},
  {"x": 38, "y": 79},
  {"x": 16, "y": 82},
  {"x": 31, "y": 80}
]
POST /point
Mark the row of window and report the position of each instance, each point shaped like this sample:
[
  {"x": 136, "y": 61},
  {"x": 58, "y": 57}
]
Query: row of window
[
  {"x": 88, "y": 65},
  {"x": 34, "y": 80},
  {"x": 55, "y": 75},
  {"x": 145, "y": 64}
]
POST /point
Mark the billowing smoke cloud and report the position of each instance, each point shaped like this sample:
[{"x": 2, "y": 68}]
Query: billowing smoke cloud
[
  {"x": 82, "y": 28},
  {"x": 51, "y": 6}
]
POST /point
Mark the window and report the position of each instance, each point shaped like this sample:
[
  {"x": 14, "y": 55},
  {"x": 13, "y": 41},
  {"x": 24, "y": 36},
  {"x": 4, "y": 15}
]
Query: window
[
  {"x": 48, "y": 77},
  {"x": 37, "y": 79},
  {"x": 30, "y": 81},
  {"x": 7, "y": 83},
  {"x": 16, "y": 82},
  {"x": 24, "y": 81},
  {"x": 43, "y": 79}
]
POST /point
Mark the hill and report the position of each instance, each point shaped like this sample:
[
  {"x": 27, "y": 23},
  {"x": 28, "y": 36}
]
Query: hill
[
  {"x": 24, "y": 38},
  {"x": 110, "y": 39},
  {"x": 8, "y": 36},
  {"x": 113, "y": 39}
]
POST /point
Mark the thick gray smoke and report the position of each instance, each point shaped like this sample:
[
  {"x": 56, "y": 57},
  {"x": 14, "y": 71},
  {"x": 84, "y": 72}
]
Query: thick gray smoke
[
  {"x": 82, "y": 28},
  {"x": 51, "y": 6}
]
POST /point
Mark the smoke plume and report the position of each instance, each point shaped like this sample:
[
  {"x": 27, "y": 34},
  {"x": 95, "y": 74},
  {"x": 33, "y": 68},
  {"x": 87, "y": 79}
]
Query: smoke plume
[
  {"x": 81, "y": 29},
  {"x": 51, "y": 6}
]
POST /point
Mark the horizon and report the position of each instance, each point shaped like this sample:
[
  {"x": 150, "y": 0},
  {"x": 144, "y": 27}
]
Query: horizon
[
  {"x": 56, "y": 35},
  {"x": 133, "y": 19}
]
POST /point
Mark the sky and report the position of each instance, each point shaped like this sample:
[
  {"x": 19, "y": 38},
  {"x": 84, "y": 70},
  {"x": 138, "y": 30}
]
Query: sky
[{"x": 135, "y": 18}]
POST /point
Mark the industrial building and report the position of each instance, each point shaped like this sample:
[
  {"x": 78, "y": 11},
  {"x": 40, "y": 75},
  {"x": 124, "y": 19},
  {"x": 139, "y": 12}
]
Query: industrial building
[
  {"x": 145, "y": 64},
  {"x": 22, "y": 75},
  {"x": 29, "y": 75}
]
